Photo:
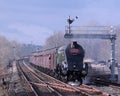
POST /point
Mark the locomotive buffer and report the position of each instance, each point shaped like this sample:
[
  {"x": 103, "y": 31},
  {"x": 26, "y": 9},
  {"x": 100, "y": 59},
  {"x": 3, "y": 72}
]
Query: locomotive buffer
[{"x": 87, "y": 29}]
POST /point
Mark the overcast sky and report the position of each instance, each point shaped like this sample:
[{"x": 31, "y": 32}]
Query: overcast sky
[{"x": 29, "y": 21}]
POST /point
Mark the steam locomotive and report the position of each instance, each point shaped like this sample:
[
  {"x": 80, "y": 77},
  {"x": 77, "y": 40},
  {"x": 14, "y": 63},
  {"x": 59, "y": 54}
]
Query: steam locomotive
[{"x": 66, "y": 62}]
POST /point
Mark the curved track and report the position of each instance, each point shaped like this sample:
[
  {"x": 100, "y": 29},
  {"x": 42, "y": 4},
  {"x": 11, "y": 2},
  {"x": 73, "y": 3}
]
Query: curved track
[{"x": 29, "y": 90}]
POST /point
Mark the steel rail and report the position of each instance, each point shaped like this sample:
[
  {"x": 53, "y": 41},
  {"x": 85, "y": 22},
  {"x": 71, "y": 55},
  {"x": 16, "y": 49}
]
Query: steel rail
[{"x": 28, "y": 82}]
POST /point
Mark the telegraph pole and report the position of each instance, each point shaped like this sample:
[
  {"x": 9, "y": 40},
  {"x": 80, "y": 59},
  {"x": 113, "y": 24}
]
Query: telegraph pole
[{"x": 14, "y": 52}]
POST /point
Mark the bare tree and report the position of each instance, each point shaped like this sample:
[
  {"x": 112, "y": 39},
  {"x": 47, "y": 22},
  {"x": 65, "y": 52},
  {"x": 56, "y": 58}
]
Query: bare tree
[
  {"x": 55, "y": 40},
  {"x": 5, "y": 51}
]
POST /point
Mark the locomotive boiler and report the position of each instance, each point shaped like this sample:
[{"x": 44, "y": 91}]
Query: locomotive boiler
[
  {"x": 66, "y": 62},
  {"x": 70, "y": 64}
]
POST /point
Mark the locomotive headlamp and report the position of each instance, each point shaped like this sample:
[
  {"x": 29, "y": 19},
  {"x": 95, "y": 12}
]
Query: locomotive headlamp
[
  {"x": 74, "y": 66},
  {"x": 84, "y": 72}
]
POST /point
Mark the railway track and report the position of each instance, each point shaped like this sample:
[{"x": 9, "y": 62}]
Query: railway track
[
  {"x": 42, "y": 87},
  {"x": 28, "y": 88},
  {"x": 112, "y": 88},
  {"x": 46, "y": 85}
]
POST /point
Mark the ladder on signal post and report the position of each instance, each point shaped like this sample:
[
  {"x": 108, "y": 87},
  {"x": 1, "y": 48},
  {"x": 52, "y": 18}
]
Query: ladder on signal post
[{"x": 76, "y": 32}]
